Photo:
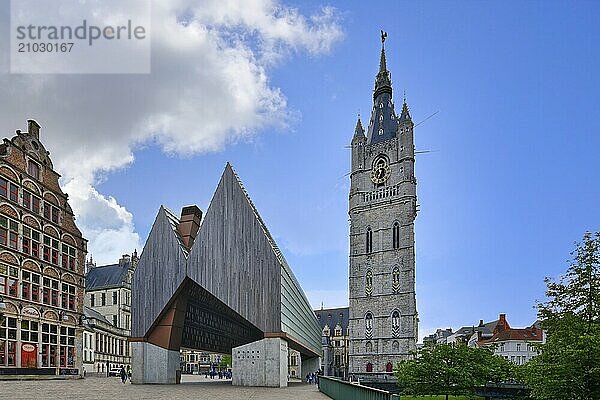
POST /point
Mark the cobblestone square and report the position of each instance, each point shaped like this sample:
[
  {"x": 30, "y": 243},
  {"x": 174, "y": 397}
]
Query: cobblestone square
[{"x": 191, "y": 387}]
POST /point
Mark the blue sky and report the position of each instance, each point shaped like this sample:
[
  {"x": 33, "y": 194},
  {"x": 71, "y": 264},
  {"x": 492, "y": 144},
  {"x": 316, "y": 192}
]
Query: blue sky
[{"x": 512, "y": 182}]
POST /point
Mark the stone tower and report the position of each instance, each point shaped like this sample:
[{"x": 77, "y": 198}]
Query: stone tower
[{"x": 382, "y": 209}]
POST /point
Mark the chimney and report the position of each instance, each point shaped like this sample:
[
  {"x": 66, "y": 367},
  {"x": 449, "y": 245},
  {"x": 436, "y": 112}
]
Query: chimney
[
  {"x": 33, "y": 128},
  {"x": 502, "y": 324},
  {"x": 480, "y": 322},
  {"x": 189, "y": 223}
]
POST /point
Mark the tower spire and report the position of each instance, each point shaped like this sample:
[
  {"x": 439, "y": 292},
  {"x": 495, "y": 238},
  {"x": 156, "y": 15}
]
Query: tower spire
[
  {"x": 383, "y": 81},
  {"x": 359, "y": 130}
]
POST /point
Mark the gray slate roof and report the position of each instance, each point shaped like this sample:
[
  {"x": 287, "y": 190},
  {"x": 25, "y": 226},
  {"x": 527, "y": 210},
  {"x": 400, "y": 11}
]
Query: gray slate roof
[
  {"x": 334, "y": 316},
  {"x": 106, "y": 276}
]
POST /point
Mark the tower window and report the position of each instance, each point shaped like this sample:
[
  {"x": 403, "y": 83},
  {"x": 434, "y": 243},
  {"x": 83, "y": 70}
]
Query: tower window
[
  {"x": 388, "y": 367},
  {"x": 396, "y": 235},
  {"x": 369, "y": 283},
  {"x": 395, "y": 323},
  {"x": 381, "y": 131},
  {"x": 368, "y": 325},
  {"x": 369, "y": 241},
  {"x": 381, "y": 105},
  {"x": 381, "y": 118},
  {"x": 396, "y": 280},
  {"x": 369, "y": 367}
]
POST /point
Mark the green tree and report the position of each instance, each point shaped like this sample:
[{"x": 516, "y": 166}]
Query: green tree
[
  {"x": 569, "y": 364},
  {"x": 225, "y": 362},
  {"x": 451, "y": 369}
]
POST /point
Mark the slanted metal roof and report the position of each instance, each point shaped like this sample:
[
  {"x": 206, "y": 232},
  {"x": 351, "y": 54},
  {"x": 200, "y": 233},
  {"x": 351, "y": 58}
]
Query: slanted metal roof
[{"x": 106, "y": 276}]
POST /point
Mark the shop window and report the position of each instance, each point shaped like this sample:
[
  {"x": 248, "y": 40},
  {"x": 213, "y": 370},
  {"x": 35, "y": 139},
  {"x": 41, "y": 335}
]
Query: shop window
[
  {"x": 67, "y": 347},
  {"x": 29, "y": 331},
  {"x": 49, "y": 345},
  {"x": 8, "y": 344}
]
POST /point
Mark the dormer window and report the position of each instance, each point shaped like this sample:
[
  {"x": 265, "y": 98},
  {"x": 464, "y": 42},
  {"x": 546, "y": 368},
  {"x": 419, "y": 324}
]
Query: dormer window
[
  {"x": 381, "y": 118},
  {"x": 381, "y": 105},
  {"x": 33, "y": 169},
  {"x": 380, "y": 131}
]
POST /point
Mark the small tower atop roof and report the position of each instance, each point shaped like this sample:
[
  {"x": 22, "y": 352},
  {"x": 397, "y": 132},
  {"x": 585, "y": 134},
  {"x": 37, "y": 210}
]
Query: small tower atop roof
[{"x": 359, "y": 130}]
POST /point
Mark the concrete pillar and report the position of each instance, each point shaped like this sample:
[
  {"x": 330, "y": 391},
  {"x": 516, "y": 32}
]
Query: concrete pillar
[
  {"x": 261, "y": 363},
  {"x": 154, "y": 364}
]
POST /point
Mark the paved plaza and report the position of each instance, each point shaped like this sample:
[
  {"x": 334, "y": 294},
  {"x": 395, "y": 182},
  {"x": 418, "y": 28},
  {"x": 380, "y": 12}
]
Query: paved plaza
[{"x": 191, "y": 387}]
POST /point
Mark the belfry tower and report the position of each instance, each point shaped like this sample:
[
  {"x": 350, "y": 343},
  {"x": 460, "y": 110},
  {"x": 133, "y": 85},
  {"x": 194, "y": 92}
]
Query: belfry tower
[{"x": 382, "y": 209}]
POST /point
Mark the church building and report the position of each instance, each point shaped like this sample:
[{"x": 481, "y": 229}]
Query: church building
[{"x": 382, "y": 208}]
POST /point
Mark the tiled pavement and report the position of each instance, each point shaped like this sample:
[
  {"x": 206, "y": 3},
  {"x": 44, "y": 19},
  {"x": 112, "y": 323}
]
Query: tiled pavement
[{"x": 192, "y": 387}]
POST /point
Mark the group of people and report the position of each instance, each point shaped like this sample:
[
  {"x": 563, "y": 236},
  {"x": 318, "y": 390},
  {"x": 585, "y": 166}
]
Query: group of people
[
  {"x": 221, "y": 374},
  {"x": 313, "y": 377}
]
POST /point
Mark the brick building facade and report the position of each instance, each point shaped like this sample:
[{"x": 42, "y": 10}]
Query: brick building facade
[{"x": 42, "y": 256}]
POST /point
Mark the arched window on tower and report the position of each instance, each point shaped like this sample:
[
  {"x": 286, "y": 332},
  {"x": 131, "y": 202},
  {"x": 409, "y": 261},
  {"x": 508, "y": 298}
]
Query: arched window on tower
[
  {"x": 396, "y": 235},
  {"x": 369, "y": 347},
  {"x": 369, "y": 367},
  {"x": 368, "y": 325},
  {"x": 396, "y": 280},
  {"x": 389, "y": 367},
  {"x": 369, "y": 283},
  {"x": 369, "y": 240},
  {"x": 395, "y": 323}
]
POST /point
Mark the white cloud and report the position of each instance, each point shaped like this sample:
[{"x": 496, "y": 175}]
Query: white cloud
[{"x": 209, "y": 87}]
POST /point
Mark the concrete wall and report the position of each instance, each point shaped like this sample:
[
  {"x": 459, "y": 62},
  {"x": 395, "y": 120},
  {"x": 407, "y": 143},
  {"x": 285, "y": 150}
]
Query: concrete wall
[
  {"x": 153, "y": 364},
  {"x": 261, "y": 363}
]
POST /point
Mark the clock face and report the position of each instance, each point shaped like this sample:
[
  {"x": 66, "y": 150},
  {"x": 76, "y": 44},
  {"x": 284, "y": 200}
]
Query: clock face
[{"x": 381, "y": 172}]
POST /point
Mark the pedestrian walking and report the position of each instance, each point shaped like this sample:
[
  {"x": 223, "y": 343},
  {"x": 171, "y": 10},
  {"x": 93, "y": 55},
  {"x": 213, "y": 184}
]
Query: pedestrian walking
[{"x": 123, "y": 374}]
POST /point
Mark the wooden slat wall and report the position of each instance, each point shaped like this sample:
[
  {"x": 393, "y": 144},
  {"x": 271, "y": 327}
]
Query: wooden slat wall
[
  {"x": 232, "y": 257},
  {"x": 159, "y": 273}
]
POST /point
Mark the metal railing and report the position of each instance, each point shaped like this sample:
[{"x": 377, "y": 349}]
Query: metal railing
[{"x": 342, "y": 390}]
